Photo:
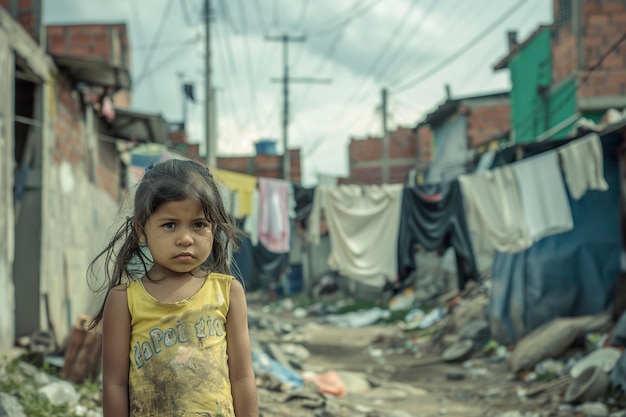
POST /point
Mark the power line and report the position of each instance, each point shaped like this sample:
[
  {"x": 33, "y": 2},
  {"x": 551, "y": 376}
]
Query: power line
[
  {"x": 230, "y": 70},
  {"x": 303, "y": 11},
  {"x": 160, "y": 65},
  {"x": 168, "y": 44},
  {"x": 390, "y": 64},
  {"x": 461, "y": 51},
  {"x": 185, "y": 10},
  {"x": 244, "y": 23},
  {"x": 157, "y": 37},
  {"x": 229, "y": 16},
  {"x": 259, "y": 13},
  {"x": 383, "y": 50},
  {"x": 330, "y": 52},
  {"x": 355, "y": 13},
  {"x": 606, "y": 53}
]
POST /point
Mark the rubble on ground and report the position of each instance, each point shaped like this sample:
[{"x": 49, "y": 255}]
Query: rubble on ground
[{"x": 402, "y": 359}]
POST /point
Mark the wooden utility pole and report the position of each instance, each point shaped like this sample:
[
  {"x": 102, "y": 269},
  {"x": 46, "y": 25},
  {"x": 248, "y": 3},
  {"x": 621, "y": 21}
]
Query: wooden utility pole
[{"x": 285, "y": 80}]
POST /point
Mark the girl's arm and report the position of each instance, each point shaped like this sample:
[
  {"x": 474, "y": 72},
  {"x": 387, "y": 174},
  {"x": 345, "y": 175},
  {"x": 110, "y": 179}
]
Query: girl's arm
[
  {"x": 242, "y": 381},
  {"x": 115, "y": 351}
]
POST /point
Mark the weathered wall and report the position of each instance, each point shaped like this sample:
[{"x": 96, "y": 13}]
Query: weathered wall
[
  {"x": 7, "y": 221},
  {"x": 14, "y": 41},
  {"x": 78, "y": 210}
]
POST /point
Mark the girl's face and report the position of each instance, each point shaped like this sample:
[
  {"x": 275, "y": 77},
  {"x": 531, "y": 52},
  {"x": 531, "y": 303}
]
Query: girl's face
[{"x": 178, "y": 235}]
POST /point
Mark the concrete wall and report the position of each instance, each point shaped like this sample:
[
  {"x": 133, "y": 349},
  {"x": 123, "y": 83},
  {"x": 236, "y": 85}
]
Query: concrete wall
[
  {"x": 14, "y": 41},
  {"x": 79, "y": 209},
  {"x": 7, "y": 305}
]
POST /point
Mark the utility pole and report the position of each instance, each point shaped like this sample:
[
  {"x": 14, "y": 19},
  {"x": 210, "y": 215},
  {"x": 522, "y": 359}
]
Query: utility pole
[
  {"x": 209, "y": 119},
  {"x": 385, "y": 139},
  {"x": 285, "y": 39}
]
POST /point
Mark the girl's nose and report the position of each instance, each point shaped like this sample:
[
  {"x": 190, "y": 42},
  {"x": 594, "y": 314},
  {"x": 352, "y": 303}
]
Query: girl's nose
[{"x": 184, "y": 239}]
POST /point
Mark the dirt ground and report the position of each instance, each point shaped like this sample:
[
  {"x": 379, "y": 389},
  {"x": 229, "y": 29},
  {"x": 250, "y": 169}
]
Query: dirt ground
[{"x": 419, "y": 384}]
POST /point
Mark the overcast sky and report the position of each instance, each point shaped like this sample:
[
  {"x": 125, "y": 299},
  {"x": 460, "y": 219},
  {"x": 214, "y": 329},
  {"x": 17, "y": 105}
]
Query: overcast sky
[{"x": 411, "y": 47}]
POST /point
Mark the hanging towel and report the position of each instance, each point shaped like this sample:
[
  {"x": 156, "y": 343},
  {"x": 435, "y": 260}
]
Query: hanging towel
[
  {"x": 363, "y": 227},
  {"x": 583, "y": 165},
  {"x": 494, "y": 210},
  {"x": 251, "y": 224},
  {"x": 274, "y": 209},
  {"x": 243, "y": 185},
  {"x": 544, "y": 199}
]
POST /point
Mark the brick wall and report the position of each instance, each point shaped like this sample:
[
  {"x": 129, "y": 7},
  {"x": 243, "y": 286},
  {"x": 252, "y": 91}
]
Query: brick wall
[
  {"x": 424, "y": 145},
  {"x": 365, "y": 156},
  {"x": 269, "y": 166},
  {"x": 402, "y": 143},
  {"x": 604, "y": 22},
  {"x": 28, "y": 14},
  {"x": 369, "y": 149},
  {"x": 108, "y": 43},
  {"x": 484, "y": 122}
]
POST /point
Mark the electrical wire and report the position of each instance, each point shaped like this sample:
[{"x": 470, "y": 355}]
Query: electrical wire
[
  {"x": 230, "y": 70},
  {"x": 185, "y": 12},
  {"x": 160, "y": 65},
  {"x": 167, "y": 44},
  {"x": 259, "y": 13},
  {"x": 355, "y": 13},
  {"x": 229, "y": 16},
  {"x": 378, "y": 59},
  {"x": 251, "y": 86},
  {"x": 392, "y": 62},
  {"x": 460, "y": 51},
  {"x": 300, "y": 22},
  {"x": 156, "y": 38}
]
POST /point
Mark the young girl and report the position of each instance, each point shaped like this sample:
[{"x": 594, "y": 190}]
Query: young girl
[{"x": 175, "y": 329}]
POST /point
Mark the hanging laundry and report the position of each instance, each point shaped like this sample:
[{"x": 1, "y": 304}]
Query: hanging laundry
[
  {"x": 274, "y": 209},
  {"x": 243, "y": 185},
  {"x": 251, "y": 223},
  {"x": 544, "y": 199},
  {"x": 583, "y": 165},
  {"x": 494, "y": 210},
  {"x": 435, "y": 221},
  {"x": 363, "y": 228}
]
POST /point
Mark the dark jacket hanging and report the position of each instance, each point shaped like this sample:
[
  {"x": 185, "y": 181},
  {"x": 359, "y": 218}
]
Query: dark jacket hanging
[{"x": 436, "y": 220}]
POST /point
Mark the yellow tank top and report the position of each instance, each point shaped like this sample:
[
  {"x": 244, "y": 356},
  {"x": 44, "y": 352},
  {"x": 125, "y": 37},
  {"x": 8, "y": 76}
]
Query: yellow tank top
[{"x": 178, "y": 360}]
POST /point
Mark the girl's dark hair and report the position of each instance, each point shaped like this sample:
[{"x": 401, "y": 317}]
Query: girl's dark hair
[{"x": 172, "y": 180}]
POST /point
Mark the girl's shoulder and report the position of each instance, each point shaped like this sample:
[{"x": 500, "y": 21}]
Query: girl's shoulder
[{"x": 220, "y": 277}]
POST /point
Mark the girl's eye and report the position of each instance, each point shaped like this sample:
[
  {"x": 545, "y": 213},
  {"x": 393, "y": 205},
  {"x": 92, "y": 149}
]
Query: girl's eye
[
  {"x": 169, "y": 225},
  {"x": 200, "y": 225}
]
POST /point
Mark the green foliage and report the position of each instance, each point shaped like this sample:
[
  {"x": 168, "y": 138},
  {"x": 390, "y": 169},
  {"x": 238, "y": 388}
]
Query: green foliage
[{"x": 36, "y": 405}]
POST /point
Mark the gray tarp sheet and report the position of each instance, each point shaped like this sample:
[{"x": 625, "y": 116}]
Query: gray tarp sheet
[{"x": 565, "y": 275}]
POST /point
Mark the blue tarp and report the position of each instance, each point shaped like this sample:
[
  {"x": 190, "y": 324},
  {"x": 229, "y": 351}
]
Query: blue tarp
[{"x": 565, "y": 275}]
